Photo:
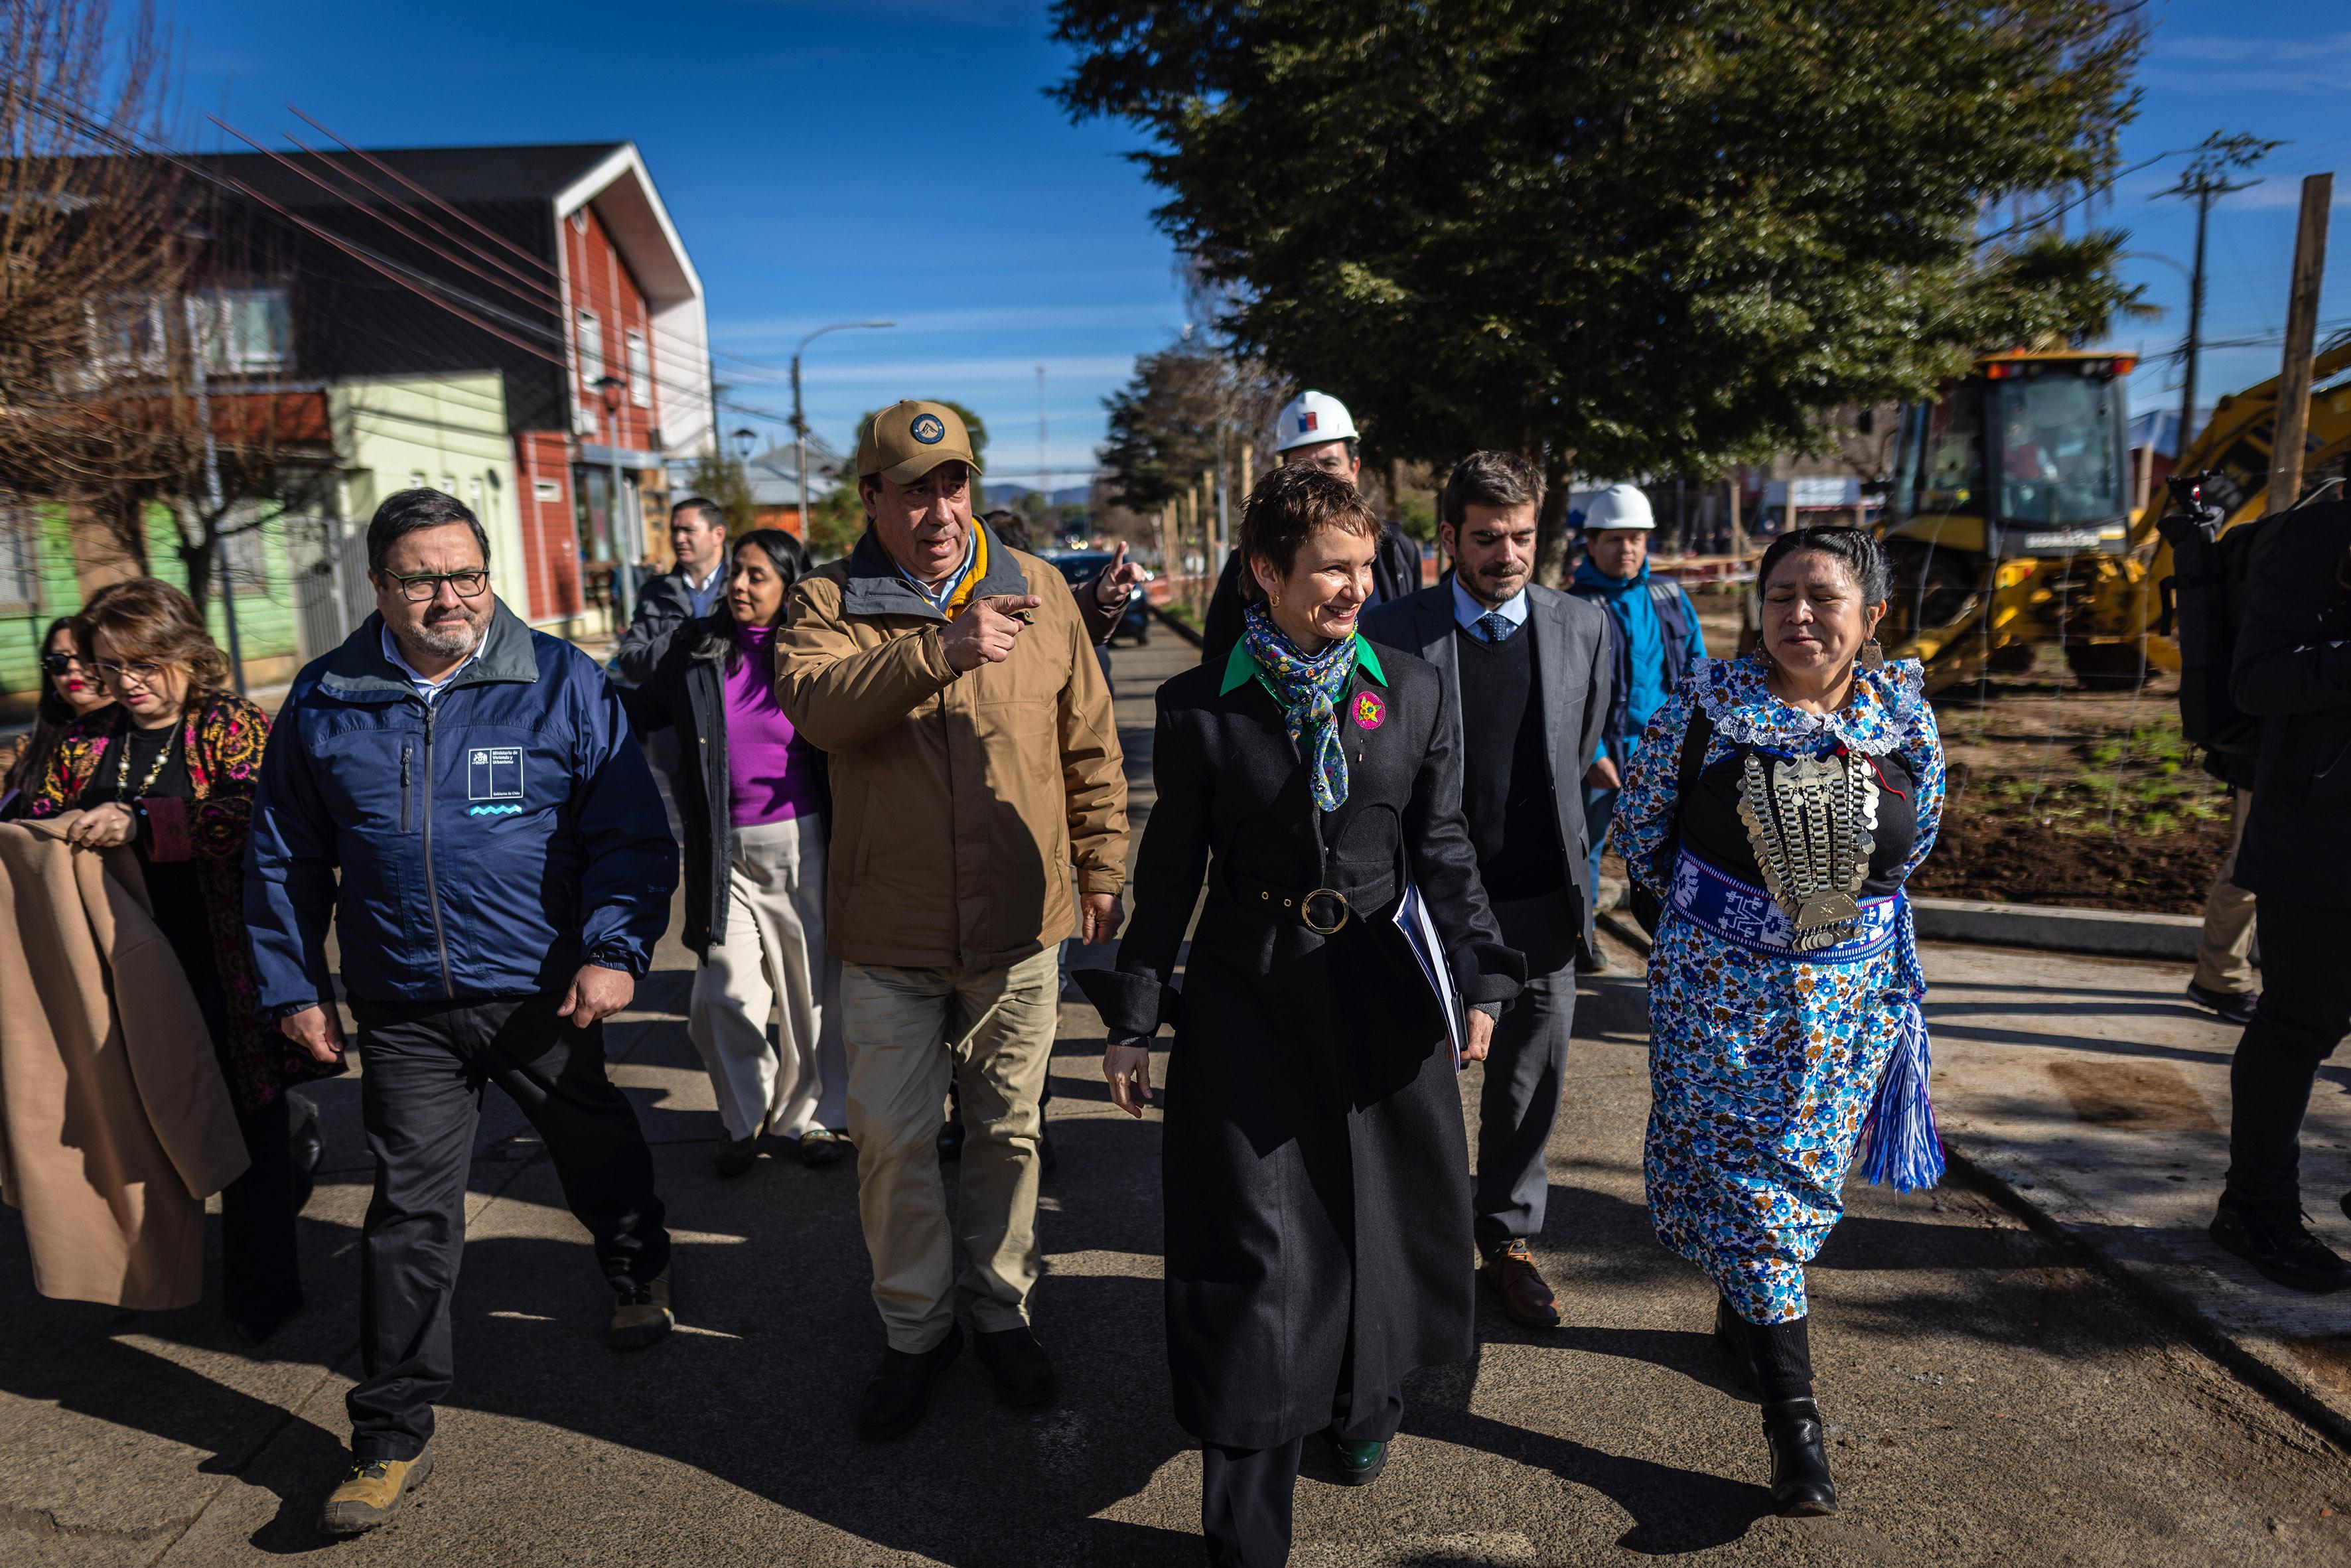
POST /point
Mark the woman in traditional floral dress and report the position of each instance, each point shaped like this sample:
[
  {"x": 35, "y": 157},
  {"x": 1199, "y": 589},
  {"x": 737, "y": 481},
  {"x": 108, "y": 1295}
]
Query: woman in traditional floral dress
[{"x": 1777, "y": 806}]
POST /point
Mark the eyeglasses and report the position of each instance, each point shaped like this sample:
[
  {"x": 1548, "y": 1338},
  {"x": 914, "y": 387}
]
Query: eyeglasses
[
  {"x": 58, "y": 663},
  {"x": 141, "y": 670},
  {"x": 427, "y": 585}
]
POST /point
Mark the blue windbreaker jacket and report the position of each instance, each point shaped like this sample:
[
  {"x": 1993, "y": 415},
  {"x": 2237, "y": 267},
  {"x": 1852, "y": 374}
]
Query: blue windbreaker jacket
[{"x": 486, "y": 845}]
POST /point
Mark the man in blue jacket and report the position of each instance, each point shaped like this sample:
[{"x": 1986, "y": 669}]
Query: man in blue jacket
[
  {"x": 462, "y": 797},
  {"x": 1655, "y": 637}
]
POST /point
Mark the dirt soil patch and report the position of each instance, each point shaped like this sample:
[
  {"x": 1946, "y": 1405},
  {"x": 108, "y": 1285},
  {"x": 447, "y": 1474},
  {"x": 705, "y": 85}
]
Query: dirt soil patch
[{"x": 2022, "y": 861}]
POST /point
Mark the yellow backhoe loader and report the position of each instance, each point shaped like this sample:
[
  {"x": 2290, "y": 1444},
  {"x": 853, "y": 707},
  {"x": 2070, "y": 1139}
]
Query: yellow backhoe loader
[
  {"x": 2009, "y": 521},
  {"x": 2010, "y": 518}
]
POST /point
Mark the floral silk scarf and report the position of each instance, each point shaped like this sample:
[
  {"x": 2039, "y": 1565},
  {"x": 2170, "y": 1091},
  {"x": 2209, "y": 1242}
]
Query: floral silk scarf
[{"x": 1308, "y": 690}]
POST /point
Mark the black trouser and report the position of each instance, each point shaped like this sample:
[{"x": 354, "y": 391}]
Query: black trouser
[
  {"x": 1246, "y": 1493},
  {"x": 1518, "y": 1105},
  {"x": 2305, "y": 1011},
  {"x": 261, "y": 1282},
  {"x": 421, "y": 1095}
]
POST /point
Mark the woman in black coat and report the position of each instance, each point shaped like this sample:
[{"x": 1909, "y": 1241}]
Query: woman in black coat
[{"x": 1314, "y": 1171}]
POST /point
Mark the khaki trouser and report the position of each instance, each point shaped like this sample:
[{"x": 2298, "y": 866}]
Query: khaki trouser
[
  {"x": 909, "y": 1032},
  {"x": 772, "y": 956},
  {"x": 2224, "y": 956}
]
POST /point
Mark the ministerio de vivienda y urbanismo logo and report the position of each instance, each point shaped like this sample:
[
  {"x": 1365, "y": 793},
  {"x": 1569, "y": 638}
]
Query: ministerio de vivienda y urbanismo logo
[{"x": 494, "y": 781}]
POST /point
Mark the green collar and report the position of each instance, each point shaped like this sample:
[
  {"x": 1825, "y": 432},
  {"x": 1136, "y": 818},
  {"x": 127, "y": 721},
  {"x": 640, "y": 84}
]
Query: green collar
[{"x": 1241, "y": 665}]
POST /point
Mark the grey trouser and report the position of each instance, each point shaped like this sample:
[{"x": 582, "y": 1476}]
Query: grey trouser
[
  {"x": 772, "y": 957},
  {"x": 909, "y": 1033},
  {"x": 2224, "y": 954},
  {"x": 1520, "y": 1103}
]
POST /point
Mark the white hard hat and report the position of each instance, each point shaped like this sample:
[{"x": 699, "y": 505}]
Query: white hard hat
[
  {"x": 1311, "y": 418},
  {"x": 1619, "y": 506}
]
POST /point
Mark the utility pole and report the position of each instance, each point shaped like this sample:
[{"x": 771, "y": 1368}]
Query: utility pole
[
  {"x": 1044, "y": 473},
  {"x": 2301, "y": 330},
  {"x": 2205, "y": 182},
  {"x": 624, "y": 531}
]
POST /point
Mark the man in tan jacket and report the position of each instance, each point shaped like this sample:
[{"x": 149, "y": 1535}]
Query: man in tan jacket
[{"x": 975, "y": 766}]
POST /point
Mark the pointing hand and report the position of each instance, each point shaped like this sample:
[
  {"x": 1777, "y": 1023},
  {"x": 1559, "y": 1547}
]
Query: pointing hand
[{"x": 984, "y": 633}]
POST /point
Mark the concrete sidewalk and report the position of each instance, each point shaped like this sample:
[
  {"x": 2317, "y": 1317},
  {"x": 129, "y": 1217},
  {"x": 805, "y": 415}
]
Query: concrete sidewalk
[{"x": 2090, "y": 1090}]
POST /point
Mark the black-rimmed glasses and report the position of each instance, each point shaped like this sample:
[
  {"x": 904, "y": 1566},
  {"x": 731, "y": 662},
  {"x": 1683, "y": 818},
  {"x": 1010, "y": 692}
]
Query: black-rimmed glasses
[{"x": 426, "y": 585}]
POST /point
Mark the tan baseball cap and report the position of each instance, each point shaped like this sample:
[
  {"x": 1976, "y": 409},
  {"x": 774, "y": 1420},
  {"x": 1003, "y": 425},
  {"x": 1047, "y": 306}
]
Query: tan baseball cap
[{"x": 910, "y": 438}]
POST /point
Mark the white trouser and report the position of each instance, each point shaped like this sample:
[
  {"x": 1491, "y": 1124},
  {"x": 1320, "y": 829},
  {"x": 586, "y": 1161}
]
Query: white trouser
[{"x": 773, "y": 956}]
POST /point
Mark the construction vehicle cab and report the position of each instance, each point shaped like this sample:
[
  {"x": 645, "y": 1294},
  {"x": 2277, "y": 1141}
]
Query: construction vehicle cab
[{"x": 2009, "y": 509}]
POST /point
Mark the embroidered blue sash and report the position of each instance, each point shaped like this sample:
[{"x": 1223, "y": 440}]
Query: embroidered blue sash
[{"x": 1739, "y": 912}]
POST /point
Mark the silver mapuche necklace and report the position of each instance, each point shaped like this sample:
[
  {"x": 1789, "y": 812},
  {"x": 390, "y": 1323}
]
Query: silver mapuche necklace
[{"x": 1813, "y": 821}]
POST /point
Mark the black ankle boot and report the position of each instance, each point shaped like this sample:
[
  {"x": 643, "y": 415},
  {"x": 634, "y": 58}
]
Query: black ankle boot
[
  {"x": 1801, "y": 1487},
  {"x": 1731, "y": 1333}
]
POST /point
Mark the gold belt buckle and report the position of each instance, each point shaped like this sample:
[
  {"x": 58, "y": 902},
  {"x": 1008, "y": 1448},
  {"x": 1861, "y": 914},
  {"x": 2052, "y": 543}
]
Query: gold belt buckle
[{"x": 1306, "y": 911}]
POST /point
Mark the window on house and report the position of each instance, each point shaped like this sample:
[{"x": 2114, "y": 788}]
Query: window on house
[
  {"x": 245, "y": 330},
  {"x": 126, "y": 334},
  {"x": 591, "y": 349},
  {"x": 640, "y": 372}
]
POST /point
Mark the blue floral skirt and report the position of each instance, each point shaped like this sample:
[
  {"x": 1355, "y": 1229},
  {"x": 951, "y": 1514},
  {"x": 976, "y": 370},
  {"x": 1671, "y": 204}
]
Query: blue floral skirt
[{"x": 1760, "y": 1072}]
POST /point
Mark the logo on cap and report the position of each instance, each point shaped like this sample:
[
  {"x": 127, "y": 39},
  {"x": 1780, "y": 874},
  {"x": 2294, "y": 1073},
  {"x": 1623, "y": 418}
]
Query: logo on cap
[
  {"x": 1305, "y": 422},
  {"x": 929, "y": 429}
]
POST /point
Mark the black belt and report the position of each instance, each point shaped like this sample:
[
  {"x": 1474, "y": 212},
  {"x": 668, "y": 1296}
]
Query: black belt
[{"x": 1322, "y": 910}]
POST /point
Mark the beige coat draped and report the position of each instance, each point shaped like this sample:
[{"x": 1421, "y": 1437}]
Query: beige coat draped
[{"x": 115, "y": 1124}]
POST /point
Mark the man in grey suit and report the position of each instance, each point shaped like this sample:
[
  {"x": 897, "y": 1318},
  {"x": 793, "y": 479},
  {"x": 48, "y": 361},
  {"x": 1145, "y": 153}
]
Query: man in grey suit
[{"x": 1530, "y": 671}]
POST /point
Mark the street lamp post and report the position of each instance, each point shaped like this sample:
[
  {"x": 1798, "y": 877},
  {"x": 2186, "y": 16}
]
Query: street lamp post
[
  {"x": 800, "y": 420},
  {"x": 624, "y": 534}
]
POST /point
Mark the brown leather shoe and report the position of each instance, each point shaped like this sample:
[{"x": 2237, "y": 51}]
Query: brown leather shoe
[{"x": 1511, "y": 1273}]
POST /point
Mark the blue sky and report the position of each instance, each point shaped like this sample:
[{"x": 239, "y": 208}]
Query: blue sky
[
  {"x": 842, "y": 160},
  {"x": 2273, "y": 68},
  {"x": 824, "y": 163}
]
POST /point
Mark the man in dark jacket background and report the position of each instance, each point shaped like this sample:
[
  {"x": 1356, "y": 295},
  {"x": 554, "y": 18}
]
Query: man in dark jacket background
[
  {"x": 1315, "y": 429},
  {"x": 1530, "y": 671},
  {"x": 698, "y": 537},
  {"x": 462, "y": 797},
  {"x": 2292, "y": 671}
]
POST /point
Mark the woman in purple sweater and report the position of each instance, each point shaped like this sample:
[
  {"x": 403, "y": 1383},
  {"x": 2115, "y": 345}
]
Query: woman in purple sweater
[{"x": 755, "y": 804}]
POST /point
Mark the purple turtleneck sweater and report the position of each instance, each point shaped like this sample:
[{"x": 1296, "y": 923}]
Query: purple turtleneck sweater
[{"x": 771, "y": 771}]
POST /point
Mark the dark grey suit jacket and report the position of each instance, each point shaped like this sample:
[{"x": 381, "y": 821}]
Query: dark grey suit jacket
[
  {"x": 664, "y": 604},
  {"x": 1572, "y": 663}
]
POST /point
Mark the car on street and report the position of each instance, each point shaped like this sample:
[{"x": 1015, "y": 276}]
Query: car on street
[{"x": 1079, "y": 568}]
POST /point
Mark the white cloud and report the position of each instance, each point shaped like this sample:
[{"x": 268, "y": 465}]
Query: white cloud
[
  {"x": 2259, "y": 67},
  {"x": 1158, "y": 314}
]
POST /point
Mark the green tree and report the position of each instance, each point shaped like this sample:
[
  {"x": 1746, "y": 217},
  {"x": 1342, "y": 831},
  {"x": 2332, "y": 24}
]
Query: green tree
[
  {"x": 1622, "y": 238},
  {"x": 836, "y": 518},
  {"x": 722, "y": 479},
  {"x": 1166, "y": 423}
]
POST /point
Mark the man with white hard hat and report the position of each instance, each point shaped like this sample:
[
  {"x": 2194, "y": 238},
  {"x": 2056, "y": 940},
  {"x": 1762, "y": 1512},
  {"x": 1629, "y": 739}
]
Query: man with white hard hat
[
  {"x": 1315, "y": 428},
  {"x": 1655, "y": 637}
]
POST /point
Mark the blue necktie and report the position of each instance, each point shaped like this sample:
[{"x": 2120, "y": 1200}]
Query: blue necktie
[{"x": 1496, "y": 627}]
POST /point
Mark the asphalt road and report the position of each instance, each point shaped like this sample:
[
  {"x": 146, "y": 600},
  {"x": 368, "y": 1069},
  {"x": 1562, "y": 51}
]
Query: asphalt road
[{"x": 1993, "y": 1400}]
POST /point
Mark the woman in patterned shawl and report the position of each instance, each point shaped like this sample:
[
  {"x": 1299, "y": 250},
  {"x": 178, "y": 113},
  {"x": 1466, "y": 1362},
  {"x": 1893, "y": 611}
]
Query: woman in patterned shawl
[
  {"x": 1776, "y": 806},
  {"x": 170, "y": 770}
]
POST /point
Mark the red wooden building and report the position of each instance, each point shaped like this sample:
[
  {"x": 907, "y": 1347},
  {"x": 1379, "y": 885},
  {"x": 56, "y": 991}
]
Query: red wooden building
[{"x": 557, "y": 267}]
